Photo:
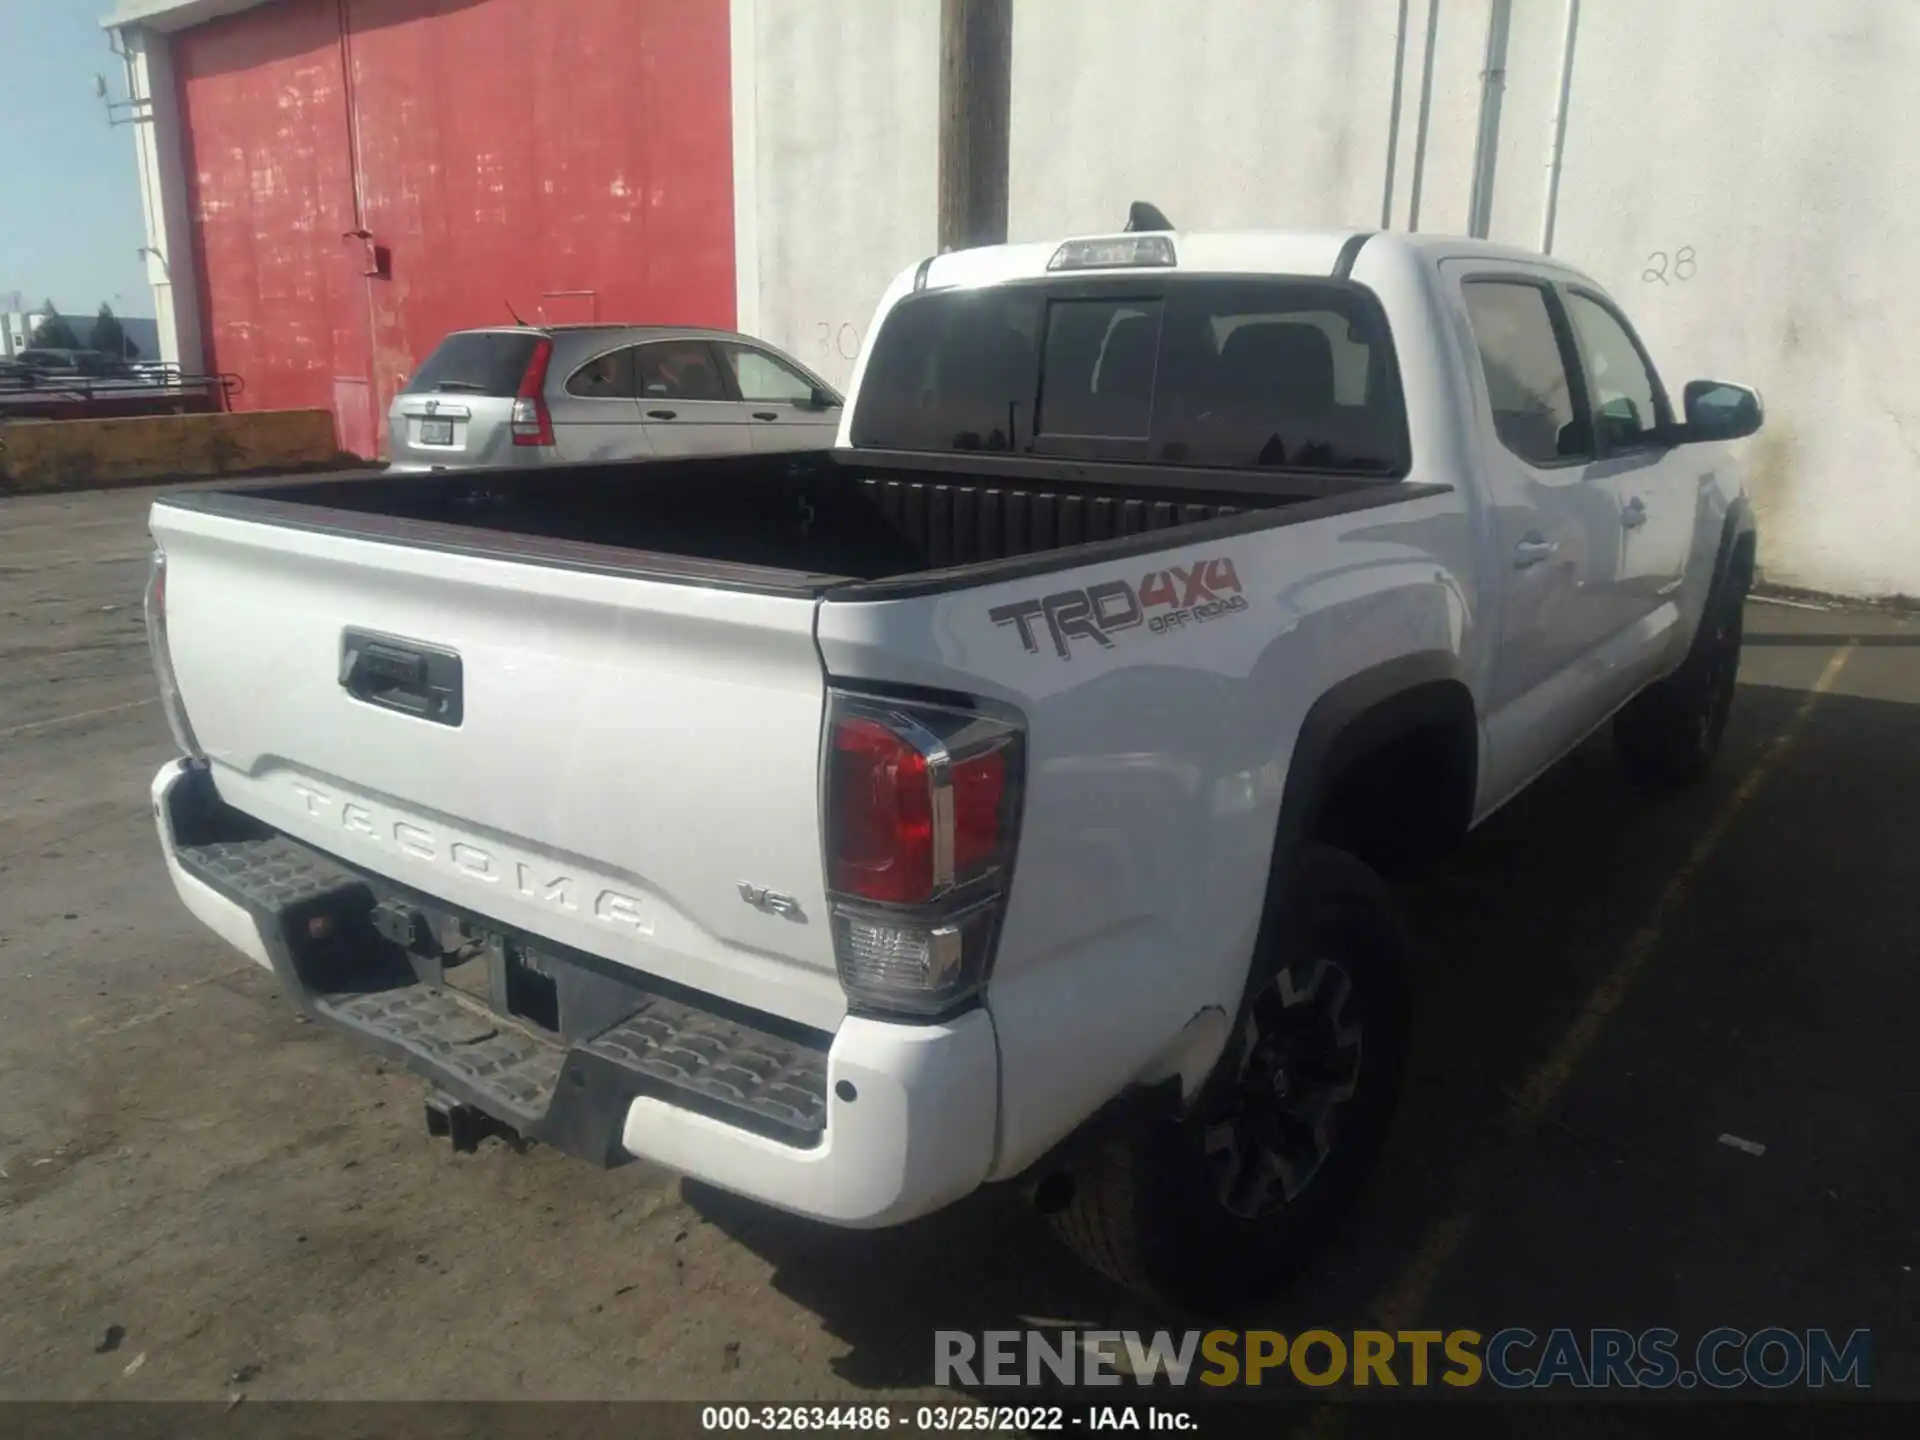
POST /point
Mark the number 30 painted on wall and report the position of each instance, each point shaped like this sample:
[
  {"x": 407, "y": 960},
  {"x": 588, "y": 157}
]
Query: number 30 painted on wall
[
  {"x": 845, "y": 341},
  {"x": 1658, "y": 270}
]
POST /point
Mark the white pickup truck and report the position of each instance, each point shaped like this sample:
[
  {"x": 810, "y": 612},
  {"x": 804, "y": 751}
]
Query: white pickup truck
[{"x": 1000, "y": 796}]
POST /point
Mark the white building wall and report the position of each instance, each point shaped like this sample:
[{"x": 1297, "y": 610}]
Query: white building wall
[
  {"x": 1240, "y": 113},
  {"x": 835, "y": 147},
  {"x": 1755, "y": 145},
  {"x": 161, "y": 169},
  {"x": 1770, "y": 139}
]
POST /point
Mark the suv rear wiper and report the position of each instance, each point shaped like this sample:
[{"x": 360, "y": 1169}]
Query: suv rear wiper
[{"x": 473, "y": 385}]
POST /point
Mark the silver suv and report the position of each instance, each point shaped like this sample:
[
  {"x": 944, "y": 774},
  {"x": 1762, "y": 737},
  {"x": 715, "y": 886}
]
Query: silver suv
[{"x": 530, "y": 395}]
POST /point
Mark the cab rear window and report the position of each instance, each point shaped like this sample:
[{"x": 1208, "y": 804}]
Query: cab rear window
[
  {"x": 475, "y": 362},
  {"x": 1191, "y": 370}
]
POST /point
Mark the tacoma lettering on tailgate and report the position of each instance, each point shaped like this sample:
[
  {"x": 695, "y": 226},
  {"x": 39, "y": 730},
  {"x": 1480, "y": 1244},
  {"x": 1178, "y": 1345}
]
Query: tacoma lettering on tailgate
[
  {"x": 1164, "y": 601},
  {"x": 536, "y": 881}
]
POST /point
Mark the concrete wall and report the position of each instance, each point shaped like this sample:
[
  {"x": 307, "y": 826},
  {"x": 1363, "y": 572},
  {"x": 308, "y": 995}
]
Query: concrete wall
[
  {"x": 1766, "y": 138},
  {"x": 160, "y": 154},
  {"x": 834, "y": 150},
  {"x": 38, "y": 456},
  {"x": 1730, "y": 171}
]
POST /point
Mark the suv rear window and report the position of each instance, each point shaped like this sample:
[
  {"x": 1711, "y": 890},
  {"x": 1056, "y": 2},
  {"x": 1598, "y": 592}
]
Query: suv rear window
[
  {"x": 1230, "y": 371},
  {"x": 476, "y": 362}
]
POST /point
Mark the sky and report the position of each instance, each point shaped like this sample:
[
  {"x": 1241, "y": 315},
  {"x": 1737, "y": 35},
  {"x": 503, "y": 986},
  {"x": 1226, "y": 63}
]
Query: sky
[{"x": 70, "y": 220}]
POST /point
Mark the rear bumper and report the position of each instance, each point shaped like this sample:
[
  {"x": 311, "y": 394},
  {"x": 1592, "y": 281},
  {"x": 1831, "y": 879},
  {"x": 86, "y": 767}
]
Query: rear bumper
[{"x": 875, "y": 1125}]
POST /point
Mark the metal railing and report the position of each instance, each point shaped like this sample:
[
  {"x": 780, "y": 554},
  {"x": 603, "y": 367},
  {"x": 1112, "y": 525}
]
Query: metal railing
[{"x": 26, "y": 392}]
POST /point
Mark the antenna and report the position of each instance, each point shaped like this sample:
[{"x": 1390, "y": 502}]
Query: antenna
[
  {"x": 516, "y": 314},
  {"x": 1142, "y": 216}
]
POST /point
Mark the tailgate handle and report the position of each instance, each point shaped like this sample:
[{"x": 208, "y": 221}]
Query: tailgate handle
[{"x": 403, "y": 675}]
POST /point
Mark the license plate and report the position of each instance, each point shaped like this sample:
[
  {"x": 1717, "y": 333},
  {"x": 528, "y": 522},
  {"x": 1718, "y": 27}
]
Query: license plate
[{"x": 436, "y": 432}]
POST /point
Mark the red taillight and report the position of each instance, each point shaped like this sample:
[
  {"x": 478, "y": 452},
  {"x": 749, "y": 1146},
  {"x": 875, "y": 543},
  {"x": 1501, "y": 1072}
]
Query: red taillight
[
  {"x": 532, "y": 424},
  {"x": 908, "y": 820},
  {"x": 979, "y": 793},
  {"x": 922, "y": 802},
  {"x": 881, "y": 814}
]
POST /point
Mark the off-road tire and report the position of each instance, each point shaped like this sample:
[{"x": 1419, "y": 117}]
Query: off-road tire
[
  {"x": 1668, "y": 736},
  {"x": 1145, "y": 1210}
]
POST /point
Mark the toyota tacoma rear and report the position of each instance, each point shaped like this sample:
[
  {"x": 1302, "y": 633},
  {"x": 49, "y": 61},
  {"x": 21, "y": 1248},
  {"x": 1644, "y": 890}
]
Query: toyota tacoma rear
[{"x": 999, "y": 796}]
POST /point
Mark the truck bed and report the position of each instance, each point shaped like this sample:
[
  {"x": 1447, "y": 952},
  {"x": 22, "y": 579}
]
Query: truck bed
[{"x": 804, "y": 522}]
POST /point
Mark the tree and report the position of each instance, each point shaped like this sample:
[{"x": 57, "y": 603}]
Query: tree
[
  {"x": 53, "y": 332},
  {"x": 109, "y": 338}
]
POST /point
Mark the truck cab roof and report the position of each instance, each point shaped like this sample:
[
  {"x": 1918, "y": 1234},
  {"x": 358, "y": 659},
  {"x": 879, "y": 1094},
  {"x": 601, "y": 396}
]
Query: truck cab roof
[{"x": 1221, "y": 252}]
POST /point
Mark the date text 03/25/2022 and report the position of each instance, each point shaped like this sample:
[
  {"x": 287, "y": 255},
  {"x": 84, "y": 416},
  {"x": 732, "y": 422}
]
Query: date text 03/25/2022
[{"x": 940, "y": 1419}]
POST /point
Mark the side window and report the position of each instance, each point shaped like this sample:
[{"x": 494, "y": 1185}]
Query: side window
[
  {"x": 678, "y": 370},
  {"x": 1528, "y": 382},
  {"x": 605, "y": 377},
  {"x": 763, "y": 378},
  {"x": 1625, "y": 397}
]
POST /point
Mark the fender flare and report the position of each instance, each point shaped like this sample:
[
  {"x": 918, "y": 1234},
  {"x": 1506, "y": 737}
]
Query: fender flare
[
  {"x": 1738, "y": 526},
  {"x": 1359, "y": 714},
  {"x": 1411, "y": 692}
]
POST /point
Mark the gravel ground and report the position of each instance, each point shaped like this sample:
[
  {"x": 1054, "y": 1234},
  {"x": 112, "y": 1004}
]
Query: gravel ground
[{"x": 202, "y": 1196}]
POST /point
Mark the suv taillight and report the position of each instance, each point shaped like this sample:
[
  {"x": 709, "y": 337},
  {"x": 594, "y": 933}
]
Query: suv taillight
[
  {"x": 170, "y": 701},
  {"x": 922, "y": 810},
  {"x": 532, "y": 424}
]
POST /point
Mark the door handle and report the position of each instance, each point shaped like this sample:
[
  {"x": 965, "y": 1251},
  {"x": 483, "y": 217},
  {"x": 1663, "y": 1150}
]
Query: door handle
[
  {"x": 661, "y": 414},
  {"x": 1532, "y": 550},
  {"x": 1634, "y": 513},
  {"x": 766, "y": 415}
]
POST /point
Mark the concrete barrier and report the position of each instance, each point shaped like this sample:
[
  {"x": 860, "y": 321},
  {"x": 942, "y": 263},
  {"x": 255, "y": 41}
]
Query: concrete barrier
[{"x": 39, "y": 456}]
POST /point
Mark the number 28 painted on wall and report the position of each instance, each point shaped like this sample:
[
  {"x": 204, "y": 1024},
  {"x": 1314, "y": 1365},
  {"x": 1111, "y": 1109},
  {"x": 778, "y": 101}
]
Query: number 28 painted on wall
[{"x": 1662, "y": 267}]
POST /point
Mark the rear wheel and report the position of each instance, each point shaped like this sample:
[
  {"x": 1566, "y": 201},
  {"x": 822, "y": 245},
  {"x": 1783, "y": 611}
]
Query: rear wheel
[
  {"x": 1669, "y": 734},
  {"x": 1223, "y": 1203}
]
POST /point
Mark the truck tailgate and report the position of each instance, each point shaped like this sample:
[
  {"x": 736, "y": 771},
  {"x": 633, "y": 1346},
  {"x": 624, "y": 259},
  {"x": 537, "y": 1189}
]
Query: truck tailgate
[{"x": 610, "y": 762}]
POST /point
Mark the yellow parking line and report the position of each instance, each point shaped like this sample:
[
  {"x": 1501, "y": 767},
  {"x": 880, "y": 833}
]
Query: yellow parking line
[{"x": 1395, "y": 1307}]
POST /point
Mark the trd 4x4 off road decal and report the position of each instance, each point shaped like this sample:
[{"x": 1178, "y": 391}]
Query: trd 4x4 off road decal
[{"x": 1166, "y": 600}]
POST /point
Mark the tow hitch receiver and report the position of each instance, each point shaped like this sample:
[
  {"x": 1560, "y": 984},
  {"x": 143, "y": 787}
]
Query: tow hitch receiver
[{"x": 466, "y": 1125}]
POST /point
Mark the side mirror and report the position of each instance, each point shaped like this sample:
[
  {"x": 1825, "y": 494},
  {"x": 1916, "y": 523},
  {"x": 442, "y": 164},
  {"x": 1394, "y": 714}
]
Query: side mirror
[
  {"x": 1721, "y": 410},
  {"x": 823, "y": 398}
]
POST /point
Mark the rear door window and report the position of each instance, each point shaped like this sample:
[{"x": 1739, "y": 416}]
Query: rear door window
[
  {"x": 678, "y": 370},
  {"x": 1226, "y": 371},
  {"x": 605, "y": 377},
  {"x": 475, "y": 362},
  {"x": 763, "y": 378}
]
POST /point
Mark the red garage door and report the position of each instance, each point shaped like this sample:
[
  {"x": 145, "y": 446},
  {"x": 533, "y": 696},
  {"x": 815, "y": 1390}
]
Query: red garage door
[{"x": 366, "y": 175}]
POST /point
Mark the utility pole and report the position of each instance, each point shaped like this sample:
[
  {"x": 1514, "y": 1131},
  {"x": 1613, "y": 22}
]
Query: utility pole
[{"x": 976, "y": 73}]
